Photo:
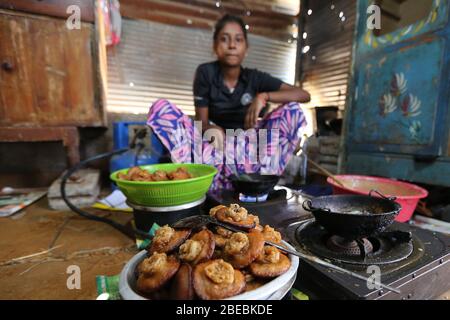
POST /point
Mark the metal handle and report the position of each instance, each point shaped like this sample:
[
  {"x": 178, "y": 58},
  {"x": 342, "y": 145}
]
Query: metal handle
[
  {"x": 7, "y": 66},
  {"x": 331, "y": 266},
  {"x": 307, "y": 205},
  {"x": 381, "y": 195}
]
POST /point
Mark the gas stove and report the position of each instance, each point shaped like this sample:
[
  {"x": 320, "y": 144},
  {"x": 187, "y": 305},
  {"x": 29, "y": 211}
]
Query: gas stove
[{"x": 414, "y": 260}]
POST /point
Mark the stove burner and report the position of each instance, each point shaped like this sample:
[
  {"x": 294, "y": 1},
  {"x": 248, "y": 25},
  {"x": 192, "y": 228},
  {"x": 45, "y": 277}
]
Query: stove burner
[
  {"x": 386, "y": 248},
  {"x": 253, "y": 199},
  {"x": 350, "y": 248},
  {"x": 227, "y": 197}
]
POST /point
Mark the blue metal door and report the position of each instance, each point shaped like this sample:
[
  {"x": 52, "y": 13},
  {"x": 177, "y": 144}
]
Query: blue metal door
[{"x": 400, "y": 89}]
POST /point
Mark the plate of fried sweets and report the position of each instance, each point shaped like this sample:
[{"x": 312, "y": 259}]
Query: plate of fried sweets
[{"x": 212, "y": 262}]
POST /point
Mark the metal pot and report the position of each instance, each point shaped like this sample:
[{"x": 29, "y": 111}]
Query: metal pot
[
  {"x": 254, "y": 184},
  {"x": 352, "y": 216}
]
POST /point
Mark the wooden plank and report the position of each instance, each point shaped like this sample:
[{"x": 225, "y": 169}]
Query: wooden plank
[
  {"x": 53, "y": 8},
  {"x": 200, "y": 14},
  {"x": 100, "y": 59},
  {"x": 68, "y": 135}
]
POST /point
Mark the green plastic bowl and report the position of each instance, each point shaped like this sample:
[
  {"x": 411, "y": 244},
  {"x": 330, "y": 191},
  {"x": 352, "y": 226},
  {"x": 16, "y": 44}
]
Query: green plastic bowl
[{"x": 167, "y": 193}]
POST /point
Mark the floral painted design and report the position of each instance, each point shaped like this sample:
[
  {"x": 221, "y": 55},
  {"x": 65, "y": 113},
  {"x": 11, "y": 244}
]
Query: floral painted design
[
  {"x": 408, "y": 104},
  {"x": 398, "y": 84},
  {"x": 415, "y": 129},
  {"x": 411, "y": 106},
  {"x": 388, "y": 104}
]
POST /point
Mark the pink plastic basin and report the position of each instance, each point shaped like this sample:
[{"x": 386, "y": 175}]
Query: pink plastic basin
[{"x": 407, "y": 194}]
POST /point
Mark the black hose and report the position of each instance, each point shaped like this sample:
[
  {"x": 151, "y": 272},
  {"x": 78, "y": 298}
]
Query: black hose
[{"x": 124, "y": 229}]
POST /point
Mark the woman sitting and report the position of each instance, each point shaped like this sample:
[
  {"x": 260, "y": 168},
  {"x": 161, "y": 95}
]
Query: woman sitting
[{"x": 229, "y": 100}]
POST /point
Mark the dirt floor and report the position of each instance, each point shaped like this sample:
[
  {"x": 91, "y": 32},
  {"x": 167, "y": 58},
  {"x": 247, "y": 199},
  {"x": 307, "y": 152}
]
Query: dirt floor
[{"x": 96, "y": 248}]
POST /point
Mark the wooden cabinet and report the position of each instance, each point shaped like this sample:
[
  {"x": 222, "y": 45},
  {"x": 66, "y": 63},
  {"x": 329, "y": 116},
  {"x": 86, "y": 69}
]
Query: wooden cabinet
[
  {"x": 52, "y": 78},
  {"x": 397, "y": 117},
  {"x": 48, "y": 73}
]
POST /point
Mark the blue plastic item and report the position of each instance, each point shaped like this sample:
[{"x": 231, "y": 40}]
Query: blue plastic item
[
  {"x": 153, "y": 152},
  {"x": 124, "y": 131}
]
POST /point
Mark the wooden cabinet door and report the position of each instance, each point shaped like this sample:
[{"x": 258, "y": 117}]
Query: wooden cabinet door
[{"x": 48, "y": 74}]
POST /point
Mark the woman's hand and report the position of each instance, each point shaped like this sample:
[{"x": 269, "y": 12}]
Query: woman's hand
[
  {"x": 254, "y": 110},
  {"x": 216, "y": 136}
]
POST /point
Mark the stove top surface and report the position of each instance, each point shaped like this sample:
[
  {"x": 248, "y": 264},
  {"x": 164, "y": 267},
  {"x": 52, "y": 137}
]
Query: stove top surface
[
  {"x": 389, "y": 247},
  {"x": 423, "y": 274},
  {"x": 420, "y": 267}
]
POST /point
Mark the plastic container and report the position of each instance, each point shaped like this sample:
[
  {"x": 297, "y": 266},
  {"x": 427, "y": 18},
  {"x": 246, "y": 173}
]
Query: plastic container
[
  {"x": 167, "y": 193},
  {"x": 273, "y": 290},
  {"x": 407, "y": 194}
]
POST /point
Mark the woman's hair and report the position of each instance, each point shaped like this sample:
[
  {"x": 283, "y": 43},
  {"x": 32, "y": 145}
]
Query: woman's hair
[{"x": 222, "y": 22}]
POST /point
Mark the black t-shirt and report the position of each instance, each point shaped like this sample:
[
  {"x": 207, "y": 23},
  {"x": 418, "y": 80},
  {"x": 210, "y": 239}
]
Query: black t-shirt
[{"x": 228, "y": 109}]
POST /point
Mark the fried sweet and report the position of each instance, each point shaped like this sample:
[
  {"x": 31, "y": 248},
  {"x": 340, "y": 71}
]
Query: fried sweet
[
  {"x": 217, "y": 279},
  {"x": 159, "y": 175},
  {"x": 221, "y": 236},
  {"x": 252, "y": 283},
  {"x": 218, "y": 254},
  {"x": 138, "y": 174},
  {"x": 155, "y": 271},
  {"x": 182, "y": 287},
  {"x": 168, "y": 239},
  {"x": 242, "y": 249},
  {"x": 220, "y": 240},
  {"x": 213, "y": 211},
  {"x": 270, "y": 234},
  {"x": 271, "y": 263},
  {"x": 237, "y": 216},
  {"x": 179, "y": 174},
  {"x": 199, "y": 248}
]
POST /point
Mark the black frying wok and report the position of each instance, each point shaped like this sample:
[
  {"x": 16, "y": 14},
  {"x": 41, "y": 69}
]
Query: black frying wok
[
  {"x": 353, "y": 216},
  {"x": 254, "y": 184}
]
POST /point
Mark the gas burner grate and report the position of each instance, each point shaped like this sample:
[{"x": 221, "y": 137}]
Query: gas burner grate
[
  {"x": 353, "y": 248},
  {"x": 387, "y": 248}
]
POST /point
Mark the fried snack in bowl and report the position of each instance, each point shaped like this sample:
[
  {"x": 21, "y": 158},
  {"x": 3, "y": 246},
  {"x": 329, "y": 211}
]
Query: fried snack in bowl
[
  {"x": 221, "y": 236},
  {"x": 270, "y": 234},
  {"x": 179, "y": 174},
  {"x": 251, "y": 281},
  {"x": 159, "y": 175},
  {"x": 155, "y": 271},
  {"x": 138, "y": 174},
  {"x": 271, "y": 263},
  {"x": 237, "y": 216},
  {"x": 182, "y": 287},
  {"x": 217, "y": 279},
  {"x": 198, "y": 266},
  {"x": 168, "y": 239},
  {"x": 213, "y": 211},
  {"x": 199, "y": 248},
  {"x": 243, "y": 248}
]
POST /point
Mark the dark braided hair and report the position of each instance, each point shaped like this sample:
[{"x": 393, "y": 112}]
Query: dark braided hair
[{"x": 222, "y": 22}]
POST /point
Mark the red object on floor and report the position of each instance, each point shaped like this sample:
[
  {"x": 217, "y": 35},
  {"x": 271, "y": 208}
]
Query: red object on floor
[{"x": 408, "y": 195}]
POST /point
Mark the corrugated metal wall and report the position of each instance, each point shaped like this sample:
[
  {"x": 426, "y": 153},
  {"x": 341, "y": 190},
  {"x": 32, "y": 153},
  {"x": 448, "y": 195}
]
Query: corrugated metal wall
[
  {"x": 157, "y": 60},
  {"x": 326, "y": 66}
]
